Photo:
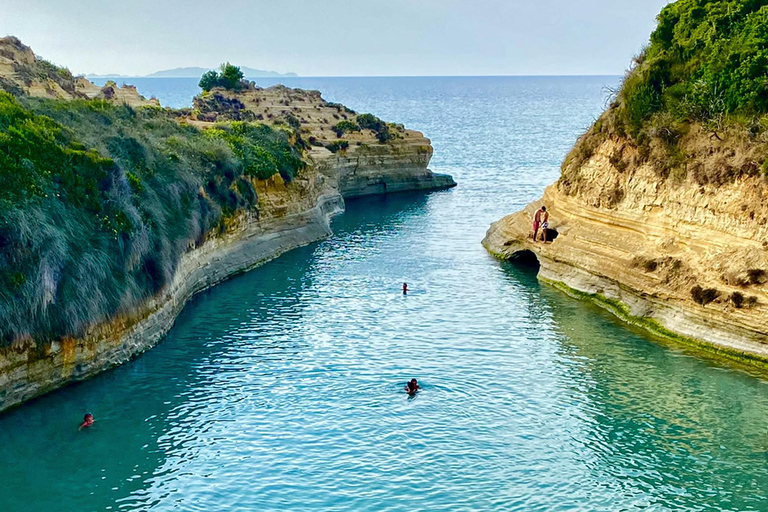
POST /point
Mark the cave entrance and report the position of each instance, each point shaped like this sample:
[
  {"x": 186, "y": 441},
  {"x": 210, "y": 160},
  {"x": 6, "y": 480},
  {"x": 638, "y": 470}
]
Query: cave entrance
[
  {"x": 551, "y": 234},
  {"x": 526, "y": 259}
]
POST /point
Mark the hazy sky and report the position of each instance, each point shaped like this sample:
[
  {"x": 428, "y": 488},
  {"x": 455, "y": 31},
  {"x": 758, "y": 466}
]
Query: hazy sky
[{"x": 337, "y": 37}]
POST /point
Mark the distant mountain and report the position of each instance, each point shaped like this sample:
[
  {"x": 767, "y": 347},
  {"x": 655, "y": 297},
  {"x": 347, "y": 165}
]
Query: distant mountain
[
  {"x": 198, "y": 72},
  {"x": 106, "y": 76}
]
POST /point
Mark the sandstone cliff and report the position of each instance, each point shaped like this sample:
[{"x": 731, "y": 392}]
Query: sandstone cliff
[
  {"x": 23, "y": 72},
  {"x": 358, "y": 162},
  {"x": 289, "y": 211},
  {"x": 677, "y": 256},
  {"x": 660, "y": 212}
]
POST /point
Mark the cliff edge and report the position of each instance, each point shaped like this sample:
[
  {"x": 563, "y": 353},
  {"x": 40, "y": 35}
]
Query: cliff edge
[{"x": 660, "y": 214}]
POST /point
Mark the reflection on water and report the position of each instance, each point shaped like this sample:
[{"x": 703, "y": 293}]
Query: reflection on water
[{"x": 283, "y": 388}]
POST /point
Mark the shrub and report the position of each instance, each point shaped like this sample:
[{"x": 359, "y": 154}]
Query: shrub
[
  {"x": 371, "y": 122},
  {"x": 650, "y": 265},
  {"x": 343, "y": 127},
  {"x": 707, "y": 64},
  {"x": 705, "y": 60},
  {"x": 756, "y": 276},
  {"x": 228, "y": 77},
  {"x": 261, "y": 150},
  {"x": 292, "y": 121},
  {"x": 336, "y": 146},
  {"x": 738, "y": 299},
  {"x": 704, "y": 296}
]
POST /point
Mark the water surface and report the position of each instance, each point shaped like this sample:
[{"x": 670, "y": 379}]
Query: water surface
[{"x": 282, "y": 389}]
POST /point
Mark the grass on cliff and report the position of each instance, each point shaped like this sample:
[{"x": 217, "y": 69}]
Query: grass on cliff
[
  {"x": 704, "y": 72},
  {"x": 98, "y": 203}
]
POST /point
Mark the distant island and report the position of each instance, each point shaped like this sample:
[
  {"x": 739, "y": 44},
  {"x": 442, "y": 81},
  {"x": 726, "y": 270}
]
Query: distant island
[
  {"x": 197, "y": 72},
  {"x": 193, "y": 72}
]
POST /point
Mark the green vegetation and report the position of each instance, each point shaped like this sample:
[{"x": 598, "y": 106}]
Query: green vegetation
[
  {"x": 338, "y": 145},
  {"x": 740, "y": 301},
  {"x": 706, "y": 59},
  {"x": 228, "y": 77},
  {"x": 371, "y": 122},
  {"x": 704, "y": 296},
  {"x": 706, "y": 67},
  {"x": 99, "y": 202},
  {"x": 262, "y": 151},
  {"x": 343, "y": 127},
  {"x": 623, "y": 312}
]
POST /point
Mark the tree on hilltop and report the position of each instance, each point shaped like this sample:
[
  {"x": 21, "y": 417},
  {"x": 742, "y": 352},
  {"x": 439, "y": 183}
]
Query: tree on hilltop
[{"x": 228, "y": 77}]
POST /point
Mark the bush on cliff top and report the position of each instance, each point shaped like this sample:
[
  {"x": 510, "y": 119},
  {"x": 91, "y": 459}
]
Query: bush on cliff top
[
  {"x": 371, "y": 122},
  {"x": 706, "y": 59},
  {"x": 228, "y": 77},
  {"x": 706, "y": 64},
  {"x": 345, "y": 126},
  {"x": 99, "y": 202}
]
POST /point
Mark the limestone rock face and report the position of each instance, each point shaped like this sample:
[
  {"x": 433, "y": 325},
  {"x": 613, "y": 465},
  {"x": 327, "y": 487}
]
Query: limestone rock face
[
  {"x": 21, "y": 72},
  {"x": 629, "y": 236}
]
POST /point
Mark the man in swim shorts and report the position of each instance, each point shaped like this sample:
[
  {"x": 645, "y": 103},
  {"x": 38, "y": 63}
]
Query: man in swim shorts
[{"x": 540, "y": 220}]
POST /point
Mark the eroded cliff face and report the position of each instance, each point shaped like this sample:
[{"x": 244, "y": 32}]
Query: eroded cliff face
[
  {"x": 291, "y": 215},
  {"x": 23, "y": 72},
  {"x": 676, "y": 256},
  {"x": 288, "y": 215}
]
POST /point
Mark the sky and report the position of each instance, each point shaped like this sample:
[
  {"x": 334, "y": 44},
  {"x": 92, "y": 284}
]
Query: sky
[{"x": 337, "y": 37}]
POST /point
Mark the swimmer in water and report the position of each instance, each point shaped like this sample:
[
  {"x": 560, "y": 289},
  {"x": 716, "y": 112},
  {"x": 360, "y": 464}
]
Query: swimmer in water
[
  {"x": 87, "y": 421},
  {"x": 405, "y": 288},
  {"x": 412, "y": 386}
]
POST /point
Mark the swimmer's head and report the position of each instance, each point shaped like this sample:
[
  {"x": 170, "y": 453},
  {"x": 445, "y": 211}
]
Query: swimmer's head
[
  {"x": 543, "y": 208},
  {"x": 88, "y": 417}
]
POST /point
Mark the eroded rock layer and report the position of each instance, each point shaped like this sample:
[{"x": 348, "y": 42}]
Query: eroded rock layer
[{"x": 675, "y": 256}]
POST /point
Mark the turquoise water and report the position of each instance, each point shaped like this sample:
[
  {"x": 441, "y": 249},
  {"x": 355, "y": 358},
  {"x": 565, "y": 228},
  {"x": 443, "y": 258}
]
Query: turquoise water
[{"x": 282, "y": 389}]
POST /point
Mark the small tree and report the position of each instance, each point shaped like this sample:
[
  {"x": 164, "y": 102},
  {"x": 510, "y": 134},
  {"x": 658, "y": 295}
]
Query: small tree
[
  {"x": 231, "y": 76},
  {"x": 209, "y": 80}
]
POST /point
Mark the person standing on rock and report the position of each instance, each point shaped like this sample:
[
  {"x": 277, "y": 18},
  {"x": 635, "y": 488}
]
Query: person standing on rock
[{"x": 540, "y": 220}]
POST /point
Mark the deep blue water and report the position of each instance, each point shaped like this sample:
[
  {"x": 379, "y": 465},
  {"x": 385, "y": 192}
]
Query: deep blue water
[{"x": 282, "y": 389}]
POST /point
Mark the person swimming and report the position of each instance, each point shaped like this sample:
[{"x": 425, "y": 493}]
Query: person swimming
[
  {"x": 405, "y": 288},
  {"x": 412, "y": 386},
  {"x": 87, "y": 421}
]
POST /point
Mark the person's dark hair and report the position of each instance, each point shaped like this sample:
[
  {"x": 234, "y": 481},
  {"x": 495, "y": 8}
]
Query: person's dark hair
[
  {"x": 544, "y": 208},
  {"x": 87, "y": 415}
]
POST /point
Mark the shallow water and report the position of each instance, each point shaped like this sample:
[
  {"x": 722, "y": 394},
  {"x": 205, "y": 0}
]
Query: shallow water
[{"x": 282, "y": 389}]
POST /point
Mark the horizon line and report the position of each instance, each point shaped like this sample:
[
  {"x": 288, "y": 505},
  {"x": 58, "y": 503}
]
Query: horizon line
[{"x": 566, "y": 75}]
